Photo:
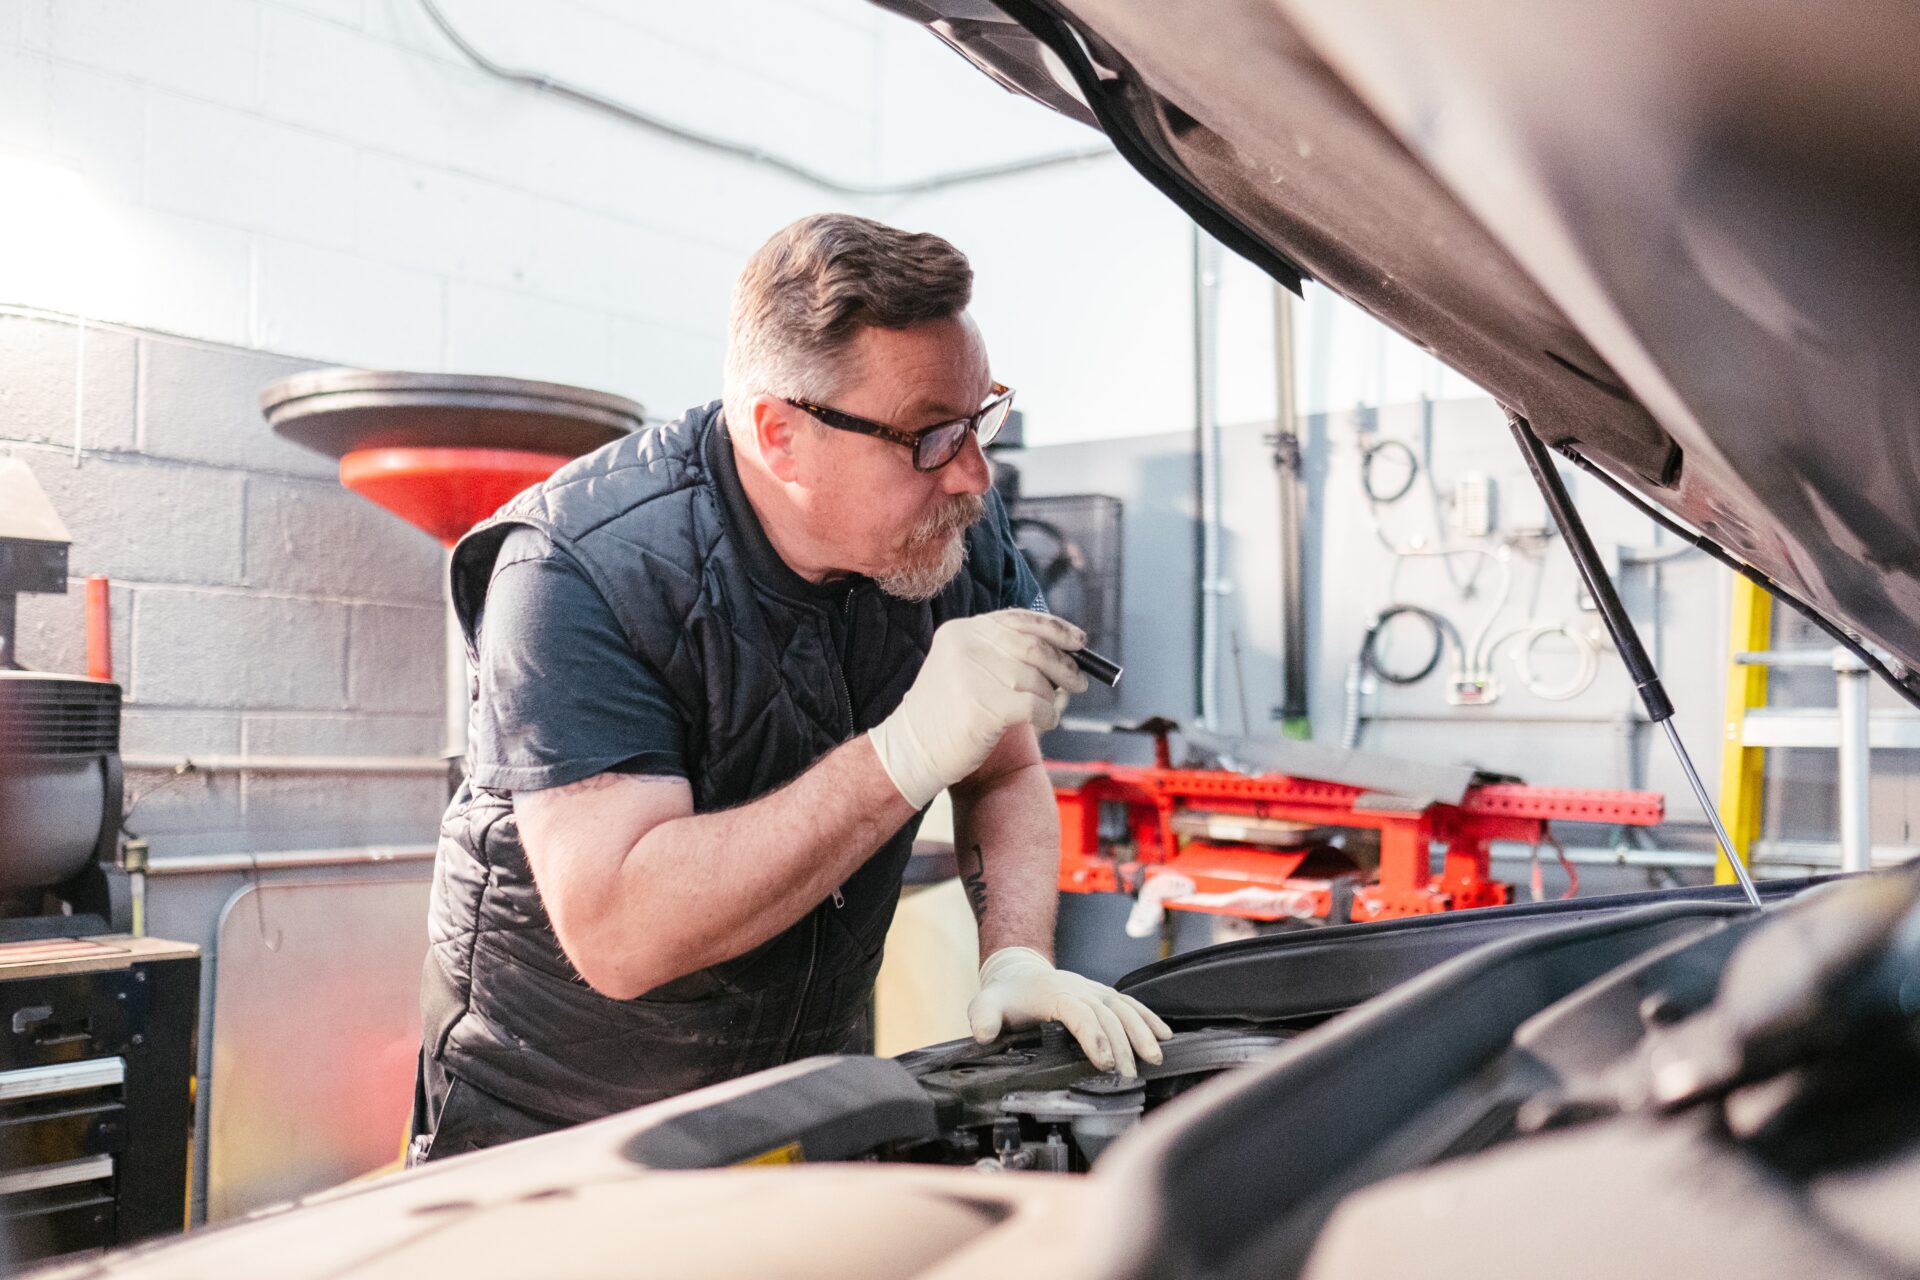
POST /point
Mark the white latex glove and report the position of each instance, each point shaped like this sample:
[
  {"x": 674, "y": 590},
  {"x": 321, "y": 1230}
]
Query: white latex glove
[
  {"x": 982, "y": 676},
  {"x": 1019, "y": 988}
]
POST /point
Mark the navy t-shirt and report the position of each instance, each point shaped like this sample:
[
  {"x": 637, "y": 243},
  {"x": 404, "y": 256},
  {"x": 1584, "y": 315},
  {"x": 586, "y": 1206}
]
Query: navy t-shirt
[{"x": 562, "y": 695}]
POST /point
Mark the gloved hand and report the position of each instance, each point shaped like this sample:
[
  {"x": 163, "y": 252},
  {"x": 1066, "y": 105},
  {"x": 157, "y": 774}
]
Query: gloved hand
[
  {"x": 982, "y": 676},
  {"x": 1019, "y": 988}
]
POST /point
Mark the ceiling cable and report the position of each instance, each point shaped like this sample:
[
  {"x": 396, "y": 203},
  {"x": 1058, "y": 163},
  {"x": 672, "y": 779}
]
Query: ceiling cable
[{"x": 741, "y": 151}]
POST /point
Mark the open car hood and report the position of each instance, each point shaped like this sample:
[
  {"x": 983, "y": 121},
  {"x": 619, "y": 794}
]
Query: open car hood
[{"x": 1682, "y": 240}]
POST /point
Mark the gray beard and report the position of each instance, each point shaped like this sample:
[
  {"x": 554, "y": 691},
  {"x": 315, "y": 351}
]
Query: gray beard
[
  {"x": 925, "y": 581},
  {"x": 923, "y": 577}
]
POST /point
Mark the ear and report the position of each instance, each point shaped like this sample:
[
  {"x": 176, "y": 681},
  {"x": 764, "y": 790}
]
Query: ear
[{"x": 776, "y": 432}]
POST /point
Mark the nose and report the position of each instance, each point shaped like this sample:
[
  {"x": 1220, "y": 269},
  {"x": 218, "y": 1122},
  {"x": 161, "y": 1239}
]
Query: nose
[{"x": 969, "y": 472}]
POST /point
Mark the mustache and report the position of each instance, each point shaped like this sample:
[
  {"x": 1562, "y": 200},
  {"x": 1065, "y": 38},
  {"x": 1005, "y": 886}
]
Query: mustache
[{"x": 963, "y": 512}]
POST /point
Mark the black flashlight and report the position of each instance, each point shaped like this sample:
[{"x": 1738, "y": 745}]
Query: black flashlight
[{"x": 1105, "y": 670}]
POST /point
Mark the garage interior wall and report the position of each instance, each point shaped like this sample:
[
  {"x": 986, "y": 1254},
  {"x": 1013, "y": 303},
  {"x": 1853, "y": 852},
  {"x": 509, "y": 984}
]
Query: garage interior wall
[{"x": 206, "y": 195}]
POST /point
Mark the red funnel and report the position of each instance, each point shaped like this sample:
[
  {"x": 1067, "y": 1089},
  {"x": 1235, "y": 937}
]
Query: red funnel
[
  {"x": 444, "y": 491},
  {"x": 443, "y": 451}
]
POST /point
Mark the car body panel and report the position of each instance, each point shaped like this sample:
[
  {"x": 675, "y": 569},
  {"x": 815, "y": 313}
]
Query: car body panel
[{"x": 1679, "y": 239}]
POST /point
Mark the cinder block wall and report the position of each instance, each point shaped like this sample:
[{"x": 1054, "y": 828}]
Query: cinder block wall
[{"x": 259, "y": 608}]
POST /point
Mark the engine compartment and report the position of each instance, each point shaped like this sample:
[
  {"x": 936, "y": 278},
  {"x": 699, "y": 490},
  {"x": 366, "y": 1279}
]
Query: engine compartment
[{"x": 1032, "y": 1102}]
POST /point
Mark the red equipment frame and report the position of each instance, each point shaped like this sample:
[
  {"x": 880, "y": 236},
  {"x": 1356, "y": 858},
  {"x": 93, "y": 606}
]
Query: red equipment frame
[{"x": 1405, "y": 884}]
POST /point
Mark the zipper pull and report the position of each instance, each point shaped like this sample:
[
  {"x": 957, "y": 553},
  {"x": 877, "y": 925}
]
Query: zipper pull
[{"x": 839, "y": 899}]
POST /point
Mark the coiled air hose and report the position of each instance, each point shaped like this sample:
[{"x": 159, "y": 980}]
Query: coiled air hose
[{"x": 1368, "y": 660}]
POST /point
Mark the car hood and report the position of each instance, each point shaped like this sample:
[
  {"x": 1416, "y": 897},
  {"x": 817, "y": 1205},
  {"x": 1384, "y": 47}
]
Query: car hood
[{"x": 1680, "y": 239}]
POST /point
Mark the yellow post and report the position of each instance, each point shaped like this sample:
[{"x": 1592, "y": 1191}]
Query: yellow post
[{"x": 1742, "y": 768}]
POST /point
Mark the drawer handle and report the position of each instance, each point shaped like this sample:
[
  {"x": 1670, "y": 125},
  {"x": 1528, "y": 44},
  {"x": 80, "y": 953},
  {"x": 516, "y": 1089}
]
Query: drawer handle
[{"x": 61, "y": 1077}]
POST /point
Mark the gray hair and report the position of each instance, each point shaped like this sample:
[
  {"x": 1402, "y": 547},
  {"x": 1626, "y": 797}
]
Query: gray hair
[{"x": 807, "y": 292}]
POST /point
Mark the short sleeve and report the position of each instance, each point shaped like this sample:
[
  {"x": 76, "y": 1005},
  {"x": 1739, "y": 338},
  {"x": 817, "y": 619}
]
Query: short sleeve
[{"x": 562, "y": 696}]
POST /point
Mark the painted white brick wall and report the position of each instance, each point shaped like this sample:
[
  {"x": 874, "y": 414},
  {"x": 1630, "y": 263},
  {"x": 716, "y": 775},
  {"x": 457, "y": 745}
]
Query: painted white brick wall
[{"x": 331, "y": 179}]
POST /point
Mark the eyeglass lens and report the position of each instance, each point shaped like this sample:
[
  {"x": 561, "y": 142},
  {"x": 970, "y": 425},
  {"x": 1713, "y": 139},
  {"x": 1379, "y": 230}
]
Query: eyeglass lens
[{"x": 939, "y": 445}]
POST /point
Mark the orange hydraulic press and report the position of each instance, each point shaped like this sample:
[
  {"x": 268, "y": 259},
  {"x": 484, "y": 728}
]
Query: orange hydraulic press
[{"x": 1273, "y": 846}]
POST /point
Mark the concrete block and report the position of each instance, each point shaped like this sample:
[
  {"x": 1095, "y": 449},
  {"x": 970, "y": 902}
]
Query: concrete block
[
  {"x": 748, "y": 65},
  {"x": 669, "y": 370},
  {"x": 98, "y": 124},
  {"x": 503, "y": 132},
  {"x": 524, "y": 336},
  {"x": 719, "y": 202},
  {"x": 160, "y": 802},
  {"x": 422, "y": 216},
  {"x": 234, "y": 167},
  {"x": 353, "y": 85},
  {"x": 23, "y": 87},
  {"x": 86, "y": 121},
  {"x": 594, "y": 259},
  {"x": 355, "y": 734},
  {"x": 306, "y": 811},
  {"x": 535, "y": 142},
  {"x": 836, "y": 140},
  {"x": 162, "y": 731},
  {"x": 348, "y": 13},
  {"x": 935, "y": 112},
  {"x": 53, "y": 630},
  {"x": 857, "y": 17},
  {"x": 142, "y": 520},
  {"x": 175, "y": 274},
  {"x": 346, "y": 307},
  {"x": 789, "y": 44},
  {"x": 407, "y": 27},
  {"x": 396, "y": 660},
  {"x": 204, "y": 47},
  {"x": 40, "y": 360},
  {"x": 162, "y": 845},
  {"x": 207, "y": 649},
  {"x": 202, "y": 403},
  {"x": 312, "y": 537}
]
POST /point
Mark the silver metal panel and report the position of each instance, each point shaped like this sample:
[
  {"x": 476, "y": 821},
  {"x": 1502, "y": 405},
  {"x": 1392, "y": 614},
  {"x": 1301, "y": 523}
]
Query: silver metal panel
[
  {"x": 194, "y": 864},
  {"x": 61, "y": 1077},
  {"x": 316, "y": 1026},
  {"x": 64, "y": 1174},
  {"x": 1774, "y": 727}
]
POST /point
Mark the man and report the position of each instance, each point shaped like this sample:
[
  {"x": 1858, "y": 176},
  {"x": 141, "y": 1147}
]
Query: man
[{"x": 722, "y": 667}]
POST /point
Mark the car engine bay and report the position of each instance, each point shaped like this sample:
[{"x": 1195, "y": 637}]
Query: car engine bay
[{"x": 1030, "y": 1102}]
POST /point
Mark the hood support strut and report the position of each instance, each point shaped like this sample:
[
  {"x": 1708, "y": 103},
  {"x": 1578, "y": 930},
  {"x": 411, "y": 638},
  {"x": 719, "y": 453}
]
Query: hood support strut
[{"x": 1626, "y": 640}]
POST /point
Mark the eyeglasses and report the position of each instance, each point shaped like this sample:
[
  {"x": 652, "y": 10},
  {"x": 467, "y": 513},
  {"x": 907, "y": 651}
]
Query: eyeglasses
[{"x": 934, "y": 447}]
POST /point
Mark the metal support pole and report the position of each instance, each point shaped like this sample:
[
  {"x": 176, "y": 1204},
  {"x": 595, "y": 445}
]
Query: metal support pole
[
  {"x": 1207, "y": 258},
  {"x": 1288, "y": 465},
  {"x": 1855, "y": 765},
  {"x": 1626, "y": 640}
]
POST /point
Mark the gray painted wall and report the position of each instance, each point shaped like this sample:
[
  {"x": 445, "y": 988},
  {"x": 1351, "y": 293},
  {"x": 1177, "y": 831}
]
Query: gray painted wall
[
  {"x": 1592, "y": 740},
  {"x": 258, "y": 606}
]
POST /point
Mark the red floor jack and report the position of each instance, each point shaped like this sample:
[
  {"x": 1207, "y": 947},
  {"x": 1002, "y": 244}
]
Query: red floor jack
[{"x": 1277, "y": 846}]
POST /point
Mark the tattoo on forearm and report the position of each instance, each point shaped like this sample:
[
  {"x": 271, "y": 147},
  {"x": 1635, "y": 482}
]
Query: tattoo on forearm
[
  {"x": 973, "y": 876},
  {"x": 598, "y": 782}
]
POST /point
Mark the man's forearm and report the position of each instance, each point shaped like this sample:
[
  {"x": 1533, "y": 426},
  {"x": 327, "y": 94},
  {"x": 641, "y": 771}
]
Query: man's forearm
[
  {"x": 708, "y": 887},
  {"x": 1006, "y": 834}
]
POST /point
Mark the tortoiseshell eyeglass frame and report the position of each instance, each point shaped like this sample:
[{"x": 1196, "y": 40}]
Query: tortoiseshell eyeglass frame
[{"x": 933, "y": 447}]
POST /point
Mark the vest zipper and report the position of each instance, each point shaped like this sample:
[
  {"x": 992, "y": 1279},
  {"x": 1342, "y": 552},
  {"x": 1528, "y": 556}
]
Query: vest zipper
[
  {"x": 846, "y": 637},
  {"x": 846, "y": 694},
  {"x": 806, "y": 985}
]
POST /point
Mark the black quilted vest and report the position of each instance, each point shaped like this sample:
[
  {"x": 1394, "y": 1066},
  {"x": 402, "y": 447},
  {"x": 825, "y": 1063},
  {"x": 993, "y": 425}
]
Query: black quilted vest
[{"x": 768, "y": 673}]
